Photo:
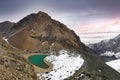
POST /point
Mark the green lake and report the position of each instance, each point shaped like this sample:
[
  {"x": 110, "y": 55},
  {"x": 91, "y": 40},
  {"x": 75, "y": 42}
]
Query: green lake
[{"x": 38, "y": 60}]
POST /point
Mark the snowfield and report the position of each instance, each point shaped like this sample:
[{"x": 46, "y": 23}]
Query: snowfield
[
  {"x": 64, "y": 65},
  {"x": 110, "y": 54},
  {"x": 115, "y": 64}
]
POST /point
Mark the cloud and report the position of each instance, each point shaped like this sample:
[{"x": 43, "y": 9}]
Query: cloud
[
  {"x": 11, "y": 6},
  {"x": 83, "y": 16},
  {"x": 77, "y": 12},
  {"x": 78, "y": 6},
  {"x": 98, "y": 33}
]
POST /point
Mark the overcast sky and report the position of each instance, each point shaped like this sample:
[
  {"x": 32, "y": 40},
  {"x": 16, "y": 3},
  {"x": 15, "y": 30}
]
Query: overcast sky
[{"x": 96, "y": 17}]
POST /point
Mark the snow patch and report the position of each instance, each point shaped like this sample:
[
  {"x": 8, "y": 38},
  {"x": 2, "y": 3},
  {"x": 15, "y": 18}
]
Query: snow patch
[
  {"x": 64, "y": 65},
  {"x": 117, "y": 55},
  {"x": 5, "y": 39},
  {"x": 115, "y": 64},
  {"x": 110, "y": 54}
]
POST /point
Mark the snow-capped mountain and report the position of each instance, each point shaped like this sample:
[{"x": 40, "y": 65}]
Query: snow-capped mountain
[{"x": 108, "y": 48}]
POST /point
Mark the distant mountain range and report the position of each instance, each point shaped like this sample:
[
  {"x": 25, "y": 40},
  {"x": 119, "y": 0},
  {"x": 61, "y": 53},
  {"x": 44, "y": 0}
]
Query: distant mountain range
[{"x": 108, "y": 48}]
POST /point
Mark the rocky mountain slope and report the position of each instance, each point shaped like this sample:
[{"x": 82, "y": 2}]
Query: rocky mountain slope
[
  {"x": 13, "y": 66},
  {"x": 108, "y": 48},
  {"x": 40, "y": 33},
  {"x": 5, "y": 28}
]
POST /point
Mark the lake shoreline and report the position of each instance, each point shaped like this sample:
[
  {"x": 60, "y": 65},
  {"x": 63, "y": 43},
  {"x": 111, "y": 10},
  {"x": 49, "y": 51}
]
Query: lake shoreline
[{"x": 36, "y": 68}]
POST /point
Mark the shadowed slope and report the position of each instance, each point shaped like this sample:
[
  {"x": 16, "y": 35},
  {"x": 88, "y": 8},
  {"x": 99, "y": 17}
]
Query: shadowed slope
[{"x": 5, "y": 28}]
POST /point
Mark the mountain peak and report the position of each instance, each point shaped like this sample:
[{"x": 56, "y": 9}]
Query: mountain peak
[
  {"x": 35, "y": 18},
  {"x": 42, "y": 32},
  {"x": 43, "y": 14}
]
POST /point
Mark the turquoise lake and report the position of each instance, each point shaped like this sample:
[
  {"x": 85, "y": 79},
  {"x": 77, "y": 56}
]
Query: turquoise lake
[{"x": 38, "y": 60}]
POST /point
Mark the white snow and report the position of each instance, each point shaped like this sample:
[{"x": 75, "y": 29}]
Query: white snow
[
  {"x": 110, "y": 54},
  {"x": 115, "y": 64},
  {"x": 64, "y": 65},
  {"x": 117, "y": 55},
  {"x": 82, "y": 75},
  {"x": 5, "y": 39}
]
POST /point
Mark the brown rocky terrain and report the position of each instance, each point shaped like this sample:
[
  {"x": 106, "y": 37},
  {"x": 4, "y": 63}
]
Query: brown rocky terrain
[
  {"x": 13, "y": 66},
  {"x": 40, "y": 33}
]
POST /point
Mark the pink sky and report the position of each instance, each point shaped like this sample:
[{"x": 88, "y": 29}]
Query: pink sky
[{"x": 97, "y": 32}]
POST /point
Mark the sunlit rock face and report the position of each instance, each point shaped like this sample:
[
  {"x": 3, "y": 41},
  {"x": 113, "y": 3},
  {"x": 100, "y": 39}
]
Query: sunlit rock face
[{"x": 39, "y": 32}]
